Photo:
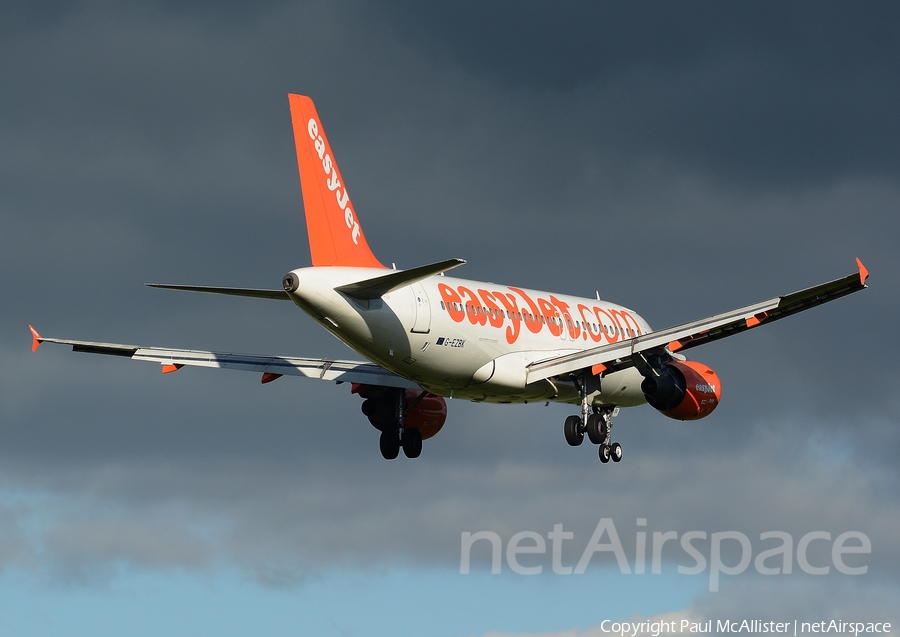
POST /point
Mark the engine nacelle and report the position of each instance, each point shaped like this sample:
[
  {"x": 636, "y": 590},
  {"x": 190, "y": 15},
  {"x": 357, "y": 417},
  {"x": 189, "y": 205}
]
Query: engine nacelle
[
  {"x": 428, "y": 416},
  {"x": 381, "y": 405},
  {"x": 684, "y": 390}
]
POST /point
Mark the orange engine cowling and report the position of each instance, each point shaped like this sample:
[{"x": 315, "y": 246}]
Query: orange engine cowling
[
  {"x": 381, "y": 404},
  {"x": 684, "y": 390},
  {"x": 428, "y": 415}
]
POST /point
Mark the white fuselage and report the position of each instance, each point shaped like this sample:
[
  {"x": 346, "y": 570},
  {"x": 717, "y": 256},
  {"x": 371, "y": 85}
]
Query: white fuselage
[{"x": 469, "y": 339}]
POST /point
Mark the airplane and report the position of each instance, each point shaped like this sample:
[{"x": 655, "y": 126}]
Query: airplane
[{"x": 427, "y": 336}]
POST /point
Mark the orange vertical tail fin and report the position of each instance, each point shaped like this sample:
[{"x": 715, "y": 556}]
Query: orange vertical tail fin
[{"x": 335, "y": 236}]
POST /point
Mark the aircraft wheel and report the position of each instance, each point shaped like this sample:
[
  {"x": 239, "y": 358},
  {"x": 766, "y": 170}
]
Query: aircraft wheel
[
  {"x": 412, "y": 442},
  {"x": 615, "y": 451},
  {"x": 604, "y": 453},
  {"x": 390, "y": 444},
  {"x": 572, "y": 429},
  {"x": 596, "y": 428}
]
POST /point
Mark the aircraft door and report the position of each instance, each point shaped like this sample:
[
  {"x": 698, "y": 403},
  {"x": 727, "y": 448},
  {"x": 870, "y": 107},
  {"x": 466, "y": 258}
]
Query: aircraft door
[{"x": 422, "y": 324}]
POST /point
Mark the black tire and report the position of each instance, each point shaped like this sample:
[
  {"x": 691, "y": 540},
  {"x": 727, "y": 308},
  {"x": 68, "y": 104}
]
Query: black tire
[
  {"x": 572, "y": 429},
  {"x": 412, "y": 442},
  {"x": 594, "y": 424},
  {"x": 390, "y": 444},
  {"x": 615, "y": 451},
  {"x": 604, "y": 453}
]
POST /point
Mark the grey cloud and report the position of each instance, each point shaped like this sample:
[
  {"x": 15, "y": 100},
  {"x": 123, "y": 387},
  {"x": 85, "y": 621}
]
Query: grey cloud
[
  {"x": 312, "y": 509},
  {"x": 766, "y": 90},
  {"x": 94, "y": 549}
]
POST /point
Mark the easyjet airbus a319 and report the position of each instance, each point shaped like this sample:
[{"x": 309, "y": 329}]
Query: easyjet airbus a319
[{"x": 427, "y": 336}]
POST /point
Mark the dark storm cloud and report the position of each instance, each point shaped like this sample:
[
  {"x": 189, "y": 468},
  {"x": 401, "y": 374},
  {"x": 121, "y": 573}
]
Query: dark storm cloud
[
  {"x": 681, "y": 161},
  {"x": 772, "y": 90}
]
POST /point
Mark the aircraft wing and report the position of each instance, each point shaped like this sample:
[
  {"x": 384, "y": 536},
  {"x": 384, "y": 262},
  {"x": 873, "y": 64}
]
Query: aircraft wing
[
  {"x": 624, "y": 354},
  {"x": 271, "y": 367}
]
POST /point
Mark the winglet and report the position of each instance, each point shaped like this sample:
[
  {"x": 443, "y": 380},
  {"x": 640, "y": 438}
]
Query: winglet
[
  {"x": 863, "y": 272},
  {"x": 36, "y": 339},
  {"x": 173, "y": 367}
]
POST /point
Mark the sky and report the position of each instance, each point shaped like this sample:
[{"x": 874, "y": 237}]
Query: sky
[{"x": 681, "y": 159}]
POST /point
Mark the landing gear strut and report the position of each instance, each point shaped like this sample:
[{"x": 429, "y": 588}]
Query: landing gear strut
[{"x": 596, "y": 422}]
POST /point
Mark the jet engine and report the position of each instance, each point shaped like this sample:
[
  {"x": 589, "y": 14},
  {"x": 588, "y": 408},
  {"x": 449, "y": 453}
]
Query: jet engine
[
  {"x": 683, "y": 390},
  {"x": 382, "y": 404}
]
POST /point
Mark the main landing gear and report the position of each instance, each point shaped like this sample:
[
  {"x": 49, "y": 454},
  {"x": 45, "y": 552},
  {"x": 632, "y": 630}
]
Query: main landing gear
[
  {"x": 392, "y": 440},
  {"x": 597, "y": 423},
  {"x": 387, "y": 411}
]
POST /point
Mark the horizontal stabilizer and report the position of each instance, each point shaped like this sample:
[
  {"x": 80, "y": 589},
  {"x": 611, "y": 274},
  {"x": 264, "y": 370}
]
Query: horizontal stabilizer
[
  {"x": 256, "y": 293},
  {"x": 381, "y": 285}
]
